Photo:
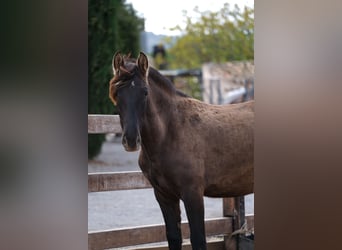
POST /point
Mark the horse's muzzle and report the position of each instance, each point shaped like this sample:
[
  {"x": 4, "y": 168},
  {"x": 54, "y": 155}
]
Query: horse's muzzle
[{"x": 131, "y": 144}]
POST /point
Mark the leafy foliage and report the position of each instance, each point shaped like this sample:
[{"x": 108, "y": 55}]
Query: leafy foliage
[
  {"x": 112, "y": 25},
  {"x": 226, "y": 35}
]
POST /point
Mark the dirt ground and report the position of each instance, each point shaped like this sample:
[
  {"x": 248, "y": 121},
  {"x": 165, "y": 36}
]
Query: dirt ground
[{"x": 120, "y": 209}]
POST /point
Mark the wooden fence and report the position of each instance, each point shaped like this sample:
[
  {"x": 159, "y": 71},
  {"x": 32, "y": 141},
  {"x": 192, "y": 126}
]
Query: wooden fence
[{"x": 233, "y": 208}]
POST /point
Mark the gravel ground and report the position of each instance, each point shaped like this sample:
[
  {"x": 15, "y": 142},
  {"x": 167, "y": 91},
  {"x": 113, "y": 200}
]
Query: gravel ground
[{"x": 119, "y": 209}]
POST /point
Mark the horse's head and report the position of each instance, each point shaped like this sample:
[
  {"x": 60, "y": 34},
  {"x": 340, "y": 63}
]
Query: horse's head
[{"x": 128, "y": 91}]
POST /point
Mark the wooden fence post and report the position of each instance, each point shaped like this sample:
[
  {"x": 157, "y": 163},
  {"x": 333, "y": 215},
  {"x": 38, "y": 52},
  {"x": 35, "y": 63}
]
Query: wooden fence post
[{"x": 234, "y": 208}]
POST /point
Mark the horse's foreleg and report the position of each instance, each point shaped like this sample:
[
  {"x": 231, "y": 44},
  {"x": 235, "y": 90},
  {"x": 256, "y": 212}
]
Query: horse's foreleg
[
  {"x": 171, "y": 213},
  {"x": 194, "y": 206}
]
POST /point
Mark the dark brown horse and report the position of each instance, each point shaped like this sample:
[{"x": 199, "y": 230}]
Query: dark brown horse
[{"x": 189, "y": 149}]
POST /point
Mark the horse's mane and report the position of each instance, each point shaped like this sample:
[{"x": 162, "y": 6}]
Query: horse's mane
[{"x": 163, "y": 82}]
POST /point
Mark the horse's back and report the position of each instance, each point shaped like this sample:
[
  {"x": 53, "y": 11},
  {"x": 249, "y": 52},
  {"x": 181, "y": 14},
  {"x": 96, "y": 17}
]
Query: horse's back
[{"x": 217, "y": 122}]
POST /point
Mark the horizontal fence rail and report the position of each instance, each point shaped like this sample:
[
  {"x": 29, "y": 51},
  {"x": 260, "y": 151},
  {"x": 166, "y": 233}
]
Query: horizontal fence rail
[
  {"x": 150, "y": 234},
  {"x": 102, "y": 124},
  {"x": 114, "y": 181}
]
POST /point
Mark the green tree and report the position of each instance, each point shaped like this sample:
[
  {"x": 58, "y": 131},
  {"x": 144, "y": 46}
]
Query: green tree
[
  {"x": 112, "y": 25},
  {"x": 221, "y": 36}
]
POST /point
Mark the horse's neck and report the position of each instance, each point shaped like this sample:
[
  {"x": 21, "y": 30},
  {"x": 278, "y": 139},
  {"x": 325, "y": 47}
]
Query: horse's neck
[
  {"x": 162, "y": 95},
  {"x": 159, "y": 111}
]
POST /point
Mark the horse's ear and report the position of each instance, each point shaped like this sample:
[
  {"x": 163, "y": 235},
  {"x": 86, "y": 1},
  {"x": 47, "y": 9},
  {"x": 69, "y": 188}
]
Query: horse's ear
[
  {"x": 117, "y": 62},
  {"x": 142, "y": 63}
]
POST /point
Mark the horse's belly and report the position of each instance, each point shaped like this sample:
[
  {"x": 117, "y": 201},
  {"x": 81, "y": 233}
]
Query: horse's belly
[
  {"x": 230, "y": 185},
  {"x": 216, "y": 191}
]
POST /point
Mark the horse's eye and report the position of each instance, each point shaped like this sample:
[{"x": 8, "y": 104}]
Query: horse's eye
[{"x": 145, "y": 91}]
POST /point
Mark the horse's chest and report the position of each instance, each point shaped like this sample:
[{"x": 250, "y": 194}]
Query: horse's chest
[{"x": 159, "y": 176}]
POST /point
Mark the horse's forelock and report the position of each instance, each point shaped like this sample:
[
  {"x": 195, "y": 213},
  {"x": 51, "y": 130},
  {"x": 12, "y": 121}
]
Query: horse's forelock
[{"x": 124, "y": 70}]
